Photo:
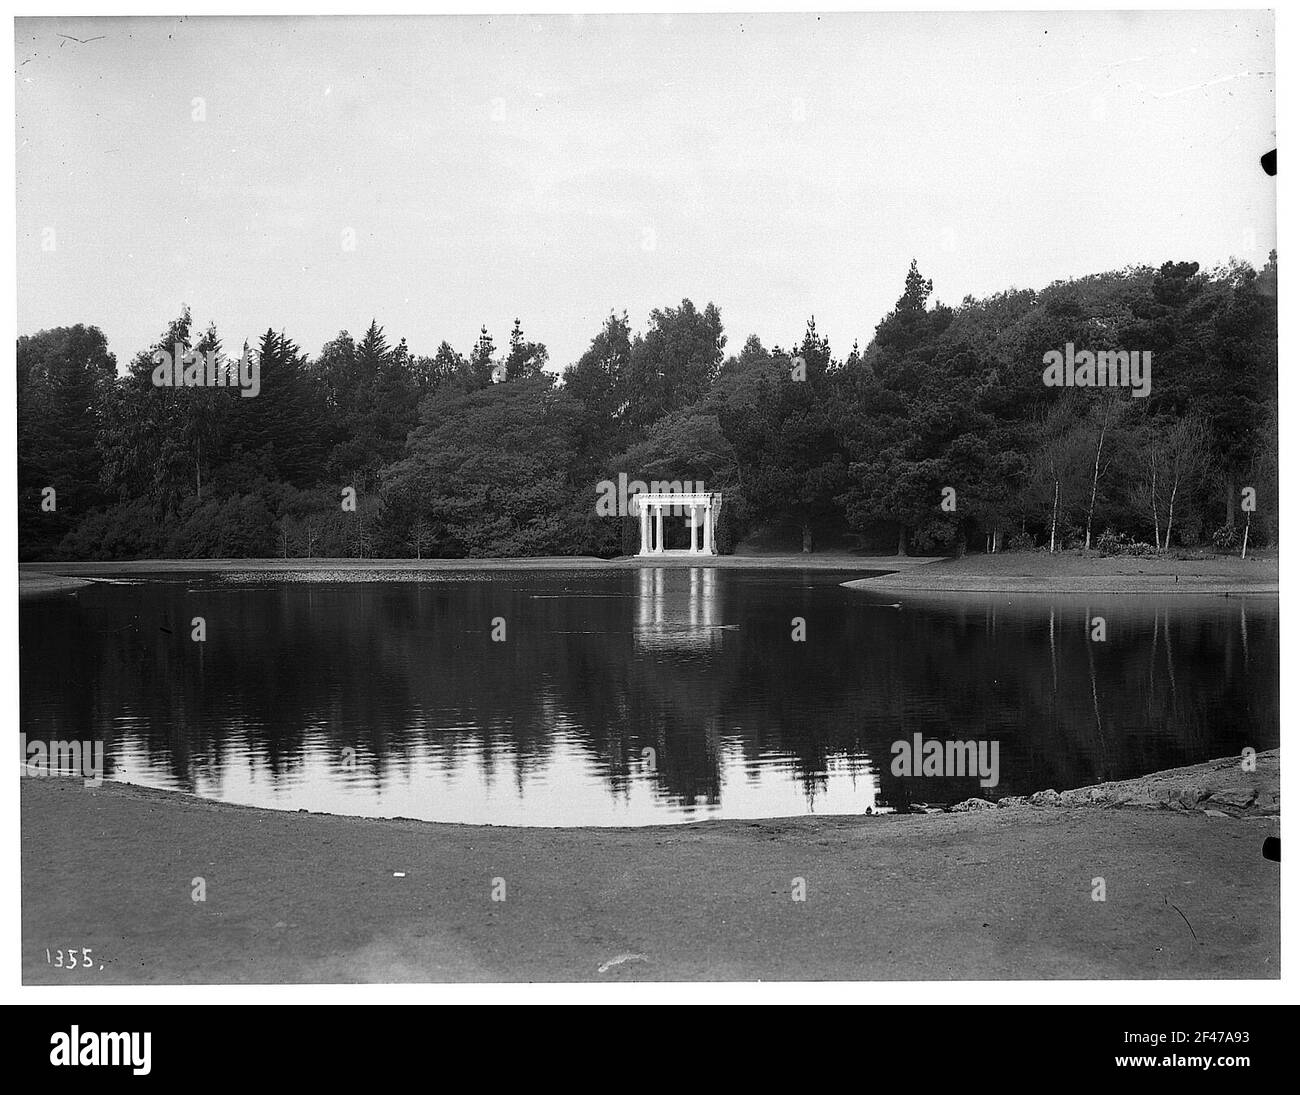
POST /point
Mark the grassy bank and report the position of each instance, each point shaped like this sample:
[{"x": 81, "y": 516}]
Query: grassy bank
[{"x": 296, "y": 897}]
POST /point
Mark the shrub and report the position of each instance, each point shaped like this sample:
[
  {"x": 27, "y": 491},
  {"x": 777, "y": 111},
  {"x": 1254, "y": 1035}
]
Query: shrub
[
  {"x": 1069, "y": 537},
  {"x": 1225, "y": 538},
  {"x": 1020, "y": 541},
  {"x": 1121, "y": 543}
]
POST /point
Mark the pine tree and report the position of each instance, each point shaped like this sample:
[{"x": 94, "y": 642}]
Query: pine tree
[
  {"x": 525, "y": 358},
  {"x": 480, "y": 361}
]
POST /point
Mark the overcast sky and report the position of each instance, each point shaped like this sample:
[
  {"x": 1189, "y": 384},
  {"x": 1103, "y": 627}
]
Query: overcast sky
[{"x": 556, "y": 168}]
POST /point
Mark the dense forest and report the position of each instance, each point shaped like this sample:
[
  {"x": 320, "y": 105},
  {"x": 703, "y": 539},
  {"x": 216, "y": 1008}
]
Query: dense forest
[{"x": 940, "y": 436}]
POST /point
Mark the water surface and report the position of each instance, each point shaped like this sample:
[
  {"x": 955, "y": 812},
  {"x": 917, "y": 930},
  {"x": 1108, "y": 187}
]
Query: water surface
[{"x": 629, "y": 697}]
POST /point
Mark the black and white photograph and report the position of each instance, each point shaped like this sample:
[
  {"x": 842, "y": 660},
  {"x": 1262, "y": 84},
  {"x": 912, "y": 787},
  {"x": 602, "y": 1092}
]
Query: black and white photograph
[{"x": 687, "y": 499}]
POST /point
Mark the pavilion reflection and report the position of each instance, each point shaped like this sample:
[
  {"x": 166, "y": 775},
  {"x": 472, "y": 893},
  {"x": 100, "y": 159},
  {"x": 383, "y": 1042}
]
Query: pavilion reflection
[
  {"x": 446, "y": 728},
  {"x": 678, "y": 608}
]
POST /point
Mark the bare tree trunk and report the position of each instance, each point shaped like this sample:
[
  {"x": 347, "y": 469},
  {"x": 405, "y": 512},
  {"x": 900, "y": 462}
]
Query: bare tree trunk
[
  {"x": 1155, "y": 513},
  {"x": 807, "y": 538},
  {"x": 1056, "y": 505},
  {"x": 1092, "y": 500},
  {"x": 1169, "y": 524},
  {"x": 360, "y": 532},
  {"x": 902, "y": 538}
]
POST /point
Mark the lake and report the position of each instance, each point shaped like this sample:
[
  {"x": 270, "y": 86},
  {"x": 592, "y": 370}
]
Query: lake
[{"x": 629, "y": 696}]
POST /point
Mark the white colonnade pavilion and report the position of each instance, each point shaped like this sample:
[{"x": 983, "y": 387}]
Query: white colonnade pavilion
[{"x": 700, "y": 510}]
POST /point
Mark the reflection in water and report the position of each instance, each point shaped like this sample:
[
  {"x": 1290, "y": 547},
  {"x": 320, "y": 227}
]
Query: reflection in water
[
  {"x": 630, "y": 696},
  {"x": 677, "y": 609}
]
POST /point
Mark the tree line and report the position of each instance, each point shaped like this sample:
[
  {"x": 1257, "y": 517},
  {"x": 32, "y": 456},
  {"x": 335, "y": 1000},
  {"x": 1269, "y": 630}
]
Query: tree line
[{"x": 940, "y": 436}]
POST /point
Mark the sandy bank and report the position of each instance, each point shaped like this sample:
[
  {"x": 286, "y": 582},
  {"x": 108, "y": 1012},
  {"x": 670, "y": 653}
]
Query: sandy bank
[
  {"x": 1039, "y": 572},
  {"x": 32, "y": 582},
  {"x": 990, "y": 893}
]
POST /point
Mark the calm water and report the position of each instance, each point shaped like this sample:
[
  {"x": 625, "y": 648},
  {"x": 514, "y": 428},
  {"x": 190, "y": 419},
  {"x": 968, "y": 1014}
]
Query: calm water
[{"x": 628, "y": 697}]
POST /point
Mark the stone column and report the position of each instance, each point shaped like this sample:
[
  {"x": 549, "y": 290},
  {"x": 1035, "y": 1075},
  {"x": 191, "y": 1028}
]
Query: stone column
[
  {"x": 708, "y": 528},
  {"x": 659, "y": 530},
  {"x": 645, "y": 527}
]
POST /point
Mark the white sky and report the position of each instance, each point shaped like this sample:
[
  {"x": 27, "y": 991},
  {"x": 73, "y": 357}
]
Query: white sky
[{"x": 780, "y": 166}]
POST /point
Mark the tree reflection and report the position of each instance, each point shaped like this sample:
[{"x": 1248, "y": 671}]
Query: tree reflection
[{"x": 386, "y": 678}]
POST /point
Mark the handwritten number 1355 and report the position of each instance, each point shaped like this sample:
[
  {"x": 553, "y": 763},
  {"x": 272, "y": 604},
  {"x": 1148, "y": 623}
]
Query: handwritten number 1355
[{"x": 71, "y": 964}]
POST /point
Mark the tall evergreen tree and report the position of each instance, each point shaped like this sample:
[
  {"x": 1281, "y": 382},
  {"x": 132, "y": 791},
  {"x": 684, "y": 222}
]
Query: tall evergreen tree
[
  {"x": 525, "y": 358},
  {"x": 279, "y": 432}
]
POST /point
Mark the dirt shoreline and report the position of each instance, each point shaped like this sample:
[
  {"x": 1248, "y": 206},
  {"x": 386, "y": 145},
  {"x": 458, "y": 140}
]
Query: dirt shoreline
[
  {"x": 32, "y": 582},
  {"x": 36, "y": 578},
  {"x": 981, "y": 893},
  {"x": 1028, "y": 572},
  {"x": 1039, "y": 572}
]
